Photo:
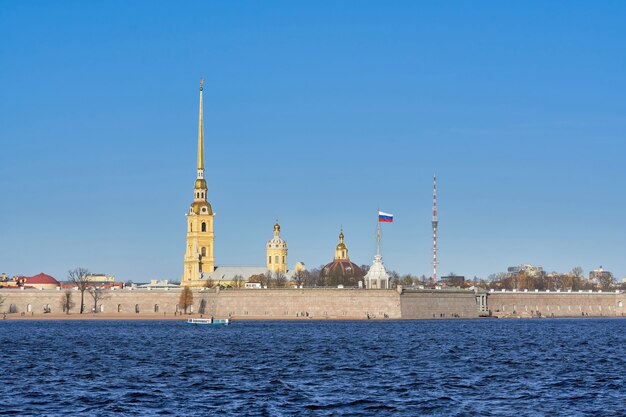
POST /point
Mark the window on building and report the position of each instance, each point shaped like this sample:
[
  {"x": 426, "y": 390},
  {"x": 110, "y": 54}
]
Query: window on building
[
  {"x": 269, "y": 259},
  {"x": 276, "y": 259},
  {"x": 136, "y": 308},
  {"x": 203, "y": 251},
  {"x": 156, "y": 308},
  {"x": 283, "y": 259},
  {"x": 203, "y": 226}
]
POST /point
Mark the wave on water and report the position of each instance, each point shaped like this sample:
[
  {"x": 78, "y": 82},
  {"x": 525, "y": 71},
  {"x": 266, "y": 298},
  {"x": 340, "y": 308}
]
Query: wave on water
[{"x": 403, "y": 368}]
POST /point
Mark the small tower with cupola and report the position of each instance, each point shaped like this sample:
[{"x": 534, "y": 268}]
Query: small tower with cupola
[
  {"x": 341, "y": 251},
  {"x": 276, "y": 254}
]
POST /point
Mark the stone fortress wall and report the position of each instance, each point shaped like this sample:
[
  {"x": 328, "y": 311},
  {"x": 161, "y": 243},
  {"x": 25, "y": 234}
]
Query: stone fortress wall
[
  {"x": 557, "y": 304},
  {"x": 333, "y": 303},
  {"x": 241, "y": 303},
  {"x": 438, "y": 304}
]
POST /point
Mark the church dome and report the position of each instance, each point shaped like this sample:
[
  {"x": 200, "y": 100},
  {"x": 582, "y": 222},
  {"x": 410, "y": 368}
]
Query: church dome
[
  {"x": 201, "y": 207},
  {"x": 342, "y": 272},
  {"x": 41, "y": 278},
  {"x": 200, "y": 184},
  {"x": 344, "y": 268},
  {"x": 276, "y": 241}
]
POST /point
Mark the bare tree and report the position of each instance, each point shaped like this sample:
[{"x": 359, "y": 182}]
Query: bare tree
[
  {"x": 395, "y": 279},
  {"x": 267, "y": 279},
  {"x": 98, "y": 294},
  {"x": 186, "y": 299},
  {"x": 300, "y": 277},
  {"x": 280, "y": 279},
  {"x": 238, "y": 281},
  {"x": 577, "y": 271},
  {"x": 315, "y": 277},
  {"x": 407, "y": 280},
  {"x": 78, "y": 277},
  {"x": 606, "y": 281},
  {"x": 66, "y": 301}
]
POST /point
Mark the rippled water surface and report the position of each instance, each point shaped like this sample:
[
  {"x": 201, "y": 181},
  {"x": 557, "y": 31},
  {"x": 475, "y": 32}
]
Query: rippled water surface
[{"x": 469, "y": 367}]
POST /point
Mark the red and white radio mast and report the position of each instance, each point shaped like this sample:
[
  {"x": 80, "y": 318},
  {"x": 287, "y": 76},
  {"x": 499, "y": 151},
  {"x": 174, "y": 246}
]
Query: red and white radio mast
[{"x": 435, "y": 224}]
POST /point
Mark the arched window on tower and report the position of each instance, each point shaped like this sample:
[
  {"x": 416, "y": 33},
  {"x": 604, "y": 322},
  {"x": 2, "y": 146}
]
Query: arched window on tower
[
  {"x": 276, "y": 259},
  {"x": 269, "y": 259},
  {"x": 203, "y": 226},
  {"x": 203, "y": 251},
  {"x": 283, "y": 259}
]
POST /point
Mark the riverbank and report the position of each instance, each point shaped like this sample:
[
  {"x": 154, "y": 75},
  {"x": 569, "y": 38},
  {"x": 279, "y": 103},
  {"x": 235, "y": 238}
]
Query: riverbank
[
  {"x": 152, "y": 317},
  {"x": 97, "y": 316}
]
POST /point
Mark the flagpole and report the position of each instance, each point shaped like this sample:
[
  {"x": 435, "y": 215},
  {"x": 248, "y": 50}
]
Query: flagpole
[{"x": 378, "y": 233}]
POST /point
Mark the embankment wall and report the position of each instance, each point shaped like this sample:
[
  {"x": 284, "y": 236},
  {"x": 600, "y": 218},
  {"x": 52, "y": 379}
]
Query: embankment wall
[
  {"x": 242, "y": 303},
  {"x": 325, "y": 303},
  {"x": 437, "y": 304},
  {"x": 557, "y": 304}
]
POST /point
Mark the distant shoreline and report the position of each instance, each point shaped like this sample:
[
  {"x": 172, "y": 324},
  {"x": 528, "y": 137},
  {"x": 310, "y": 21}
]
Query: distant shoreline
[
  {"x": 184, "y": 317},
  {"x": 167, "y": 317}
]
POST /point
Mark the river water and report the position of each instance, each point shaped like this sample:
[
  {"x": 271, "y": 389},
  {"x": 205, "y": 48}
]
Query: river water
[{"x": 489, "y": 367}]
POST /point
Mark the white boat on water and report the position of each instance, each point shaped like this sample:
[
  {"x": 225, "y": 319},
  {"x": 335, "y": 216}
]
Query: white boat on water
[{"x": 209, "y": 322}]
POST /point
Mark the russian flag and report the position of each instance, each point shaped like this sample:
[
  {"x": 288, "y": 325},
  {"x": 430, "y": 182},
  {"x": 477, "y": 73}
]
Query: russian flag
[{"x": 385, "y": 217}]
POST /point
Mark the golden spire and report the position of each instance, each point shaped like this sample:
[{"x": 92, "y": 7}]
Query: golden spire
[{"x": 200, "y": 137}]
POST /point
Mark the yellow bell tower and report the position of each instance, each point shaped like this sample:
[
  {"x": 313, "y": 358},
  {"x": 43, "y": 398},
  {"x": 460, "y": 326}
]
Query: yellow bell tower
[
  {"x": 199, "y": 258},
  {"x": 277, "y": 252}
]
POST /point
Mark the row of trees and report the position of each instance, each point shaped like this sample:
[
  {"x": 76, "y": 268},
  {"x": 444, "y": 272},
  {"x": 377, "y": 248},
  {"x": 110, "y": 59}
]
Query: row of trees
[
  {"x": 316, "y": 278},
  {"x": 573, "y": 280},
  {"x": 305, "y": 278}
]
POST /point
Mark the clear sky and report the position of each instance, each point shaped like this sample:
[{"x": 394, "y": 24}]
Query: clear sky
[{"x": 316, "y": 113}]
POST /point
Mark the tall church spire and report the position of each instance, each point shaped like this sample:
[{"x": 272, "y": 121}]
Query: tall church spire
[
  {"x": 200, "y": 137},
  {"x": 199, "y": 261}
]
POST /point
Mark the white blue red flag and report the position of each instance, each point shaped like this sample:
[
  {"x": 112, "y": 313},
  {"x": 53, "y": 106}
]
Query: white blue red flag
[{"x": 385, "y": 217}]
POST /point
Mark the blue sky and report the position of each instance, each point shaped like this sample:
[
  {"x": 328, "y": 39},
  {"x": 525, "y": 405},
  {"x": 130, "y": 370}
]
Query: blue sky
[{"x": 316, "y": 113}]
